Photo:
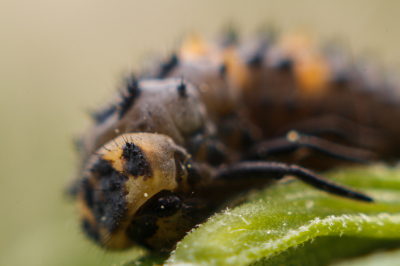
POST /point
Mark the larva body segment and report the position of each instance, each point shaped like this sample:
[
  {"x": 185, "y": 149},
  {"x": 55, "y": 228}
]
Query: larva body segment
[
  {"x": 197, "y": 129},
  {"x": 346, "y": 107},
  {"x": 158, "y": 107},
  {"x": 317, "y": 92}
]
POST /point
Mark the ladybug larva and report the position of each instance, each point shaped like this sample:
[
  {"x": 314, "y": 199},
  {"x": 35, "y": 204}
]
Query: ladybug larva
[
  {"x": 142, "y": 188},
  {"x": 201, "y": 127},
  {"x": 122, "y": 178}
]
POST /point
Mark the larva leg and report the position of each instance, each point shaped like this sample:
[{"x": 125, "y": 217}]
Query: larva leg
[
  {"x": 339, "y": 126},
  {"x": 295, "y": 140},
  {"x": 273, "y": 170},
  {"x": 207, "y": 149}
]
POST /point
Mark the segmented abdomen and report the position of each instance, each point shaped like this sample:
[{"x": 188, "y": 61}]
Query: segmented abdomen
[
  {"x": 257, "y": 90},
  {"x": 215, "y": 106},
  {"x": 271, "y": 85}
]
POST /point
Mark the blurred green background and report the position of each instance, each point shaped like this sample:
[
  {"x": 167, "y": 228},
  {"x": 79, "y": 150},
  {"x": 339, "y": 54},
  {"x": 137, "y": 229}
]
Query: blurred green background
[{"x": 60, "y": 58}]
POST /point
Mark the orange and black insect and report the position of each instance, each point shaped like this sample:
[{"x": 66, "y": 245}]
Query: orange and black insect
[{"x": 203, "y": 126}]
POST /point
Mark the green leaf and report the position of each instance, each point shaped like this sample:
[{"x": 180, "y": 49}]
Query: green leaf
[
  {"x": 148, "y": 260},
  {"x": 294, "y": 224}
]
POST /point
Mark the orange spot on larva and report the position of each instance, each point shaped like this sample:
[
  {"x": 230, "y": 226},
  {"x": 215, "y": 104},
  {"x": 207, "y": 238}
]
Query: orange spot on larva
[
  {"x": 194, "y": 47},
  {"x": 310, "y": 69},
  {"x": 312, "y": 75},
  {"x": 236, "y": 69}
]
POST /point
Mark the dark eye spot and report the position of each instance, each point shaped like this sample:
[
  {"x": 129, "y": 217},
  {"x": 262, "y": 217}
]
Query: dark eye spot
[
  {"x": 162, "y": 205},
  {"x": 166, "y": 206}
]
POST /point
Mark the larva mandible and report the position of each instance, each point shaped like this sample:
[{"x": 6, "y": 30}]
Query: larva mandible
[{"x": 197, "y": 129}]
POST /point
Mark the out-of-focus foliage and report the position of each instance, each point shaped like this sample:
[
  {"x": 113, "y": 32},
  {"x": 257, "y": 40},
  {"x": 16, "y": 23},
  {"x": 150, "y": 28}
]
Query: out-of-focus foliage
[{"x": 294, "y": 224}]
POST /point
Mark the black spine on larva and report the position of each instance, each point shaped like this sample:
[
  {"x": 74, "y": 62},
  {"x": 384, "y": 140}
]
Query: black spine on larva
[
  {"x": 230, "y": 36},
  {"x": 88, "y": 192},
  {"x": 167, "y": 66},
  {"x": 136, "y": 162},
  {"x": 102, "y": 115},
  {"x": 336, "y": 56},
  {"x": 128, "y": 98},
  {"x": 258, "y": 56},
  {"x": 222, "y": 70},
  {"x": 77, "y": 143},
  {"x": 182, "y": 88},
  {"x": 285, "y": 64}
]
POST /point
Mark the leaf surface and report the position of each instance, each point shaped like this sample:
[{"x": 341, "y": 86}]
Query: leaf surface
[{"x": 294, "y": 224}]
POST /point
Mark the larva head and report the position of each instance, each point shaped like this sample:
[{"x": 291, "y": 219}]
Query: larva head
[{"x": 123, "y": 175}]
